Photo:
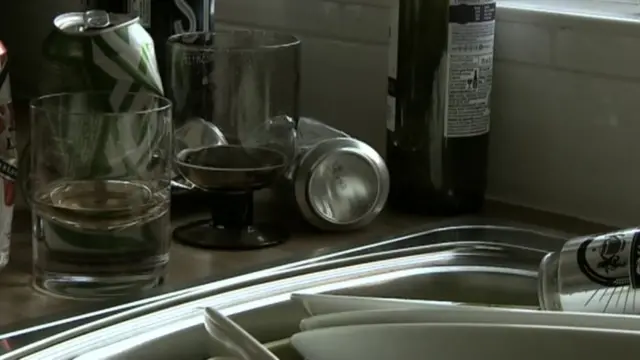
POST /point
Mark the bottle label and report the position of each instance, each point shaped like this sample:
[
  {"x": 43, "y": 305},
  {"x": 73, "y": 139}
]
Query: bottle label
[
  {"x": 392, "y": 67},
  {"x": 142, "y": 9},
  {"x": 469, "y": 67},
  {"x": 190, "y": 18}
]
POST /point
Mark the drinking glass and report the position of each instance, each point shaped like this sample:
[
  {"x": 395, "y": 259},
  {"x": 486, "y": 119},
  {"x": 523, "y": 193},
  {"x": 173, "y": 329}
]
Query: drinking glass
[
  {"x": 99, "y": 187},
  {"x": 235, "y": 96}
]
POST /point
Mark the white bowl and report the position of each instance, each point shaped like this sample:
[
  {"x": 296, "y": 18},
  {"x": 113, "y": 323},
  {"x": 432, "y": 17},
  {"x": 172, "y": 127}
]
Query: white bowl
[
  {"x": 463, "y": 341},
  {"x": 472, "y": 315},
  {"x": 319, "y": 304}
]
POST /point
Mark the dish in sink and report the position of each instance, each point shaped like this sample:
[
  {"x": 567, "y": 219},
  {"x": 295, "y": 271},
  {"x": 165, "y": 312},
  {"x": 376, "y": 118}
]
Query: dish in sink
[{"x": 454, "y": 341}]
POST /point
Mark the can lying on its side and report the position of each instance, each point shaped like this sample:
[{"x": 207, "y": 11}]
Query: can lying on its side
[
  {"x": 8, "y": 158},
  {"x": 338, "y": 182}
]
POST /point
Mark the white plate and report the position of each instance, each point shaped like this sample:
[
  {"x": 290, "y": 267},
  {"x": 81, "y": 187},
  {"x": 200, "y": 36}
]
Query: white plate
[
  {"x": 463, "y": 341},
  {"x": 319, "y": 304},
  {"x": 453, "y": 314}
]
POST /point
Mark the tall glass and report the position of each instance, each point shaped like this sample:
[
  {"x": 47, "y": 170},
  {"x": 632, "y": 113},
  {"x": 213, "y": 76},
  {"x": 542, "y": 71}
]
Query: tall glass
[
  {"x": 99, "y": 187},
  {"x": 235, "y": 96}
]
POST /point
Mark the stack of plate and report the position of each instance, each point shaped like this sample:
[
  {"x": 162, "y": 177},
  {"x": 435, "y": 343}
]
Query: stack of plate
[{"x": 353, "y": 328}]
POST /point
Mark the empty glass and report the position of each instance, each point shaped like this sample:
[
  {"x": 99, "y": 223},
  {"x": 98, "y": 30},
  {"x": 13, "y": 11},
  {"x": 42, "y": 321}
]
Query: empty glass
[
  {"x": 99, "y": 187},
  {"x": 235, "y": 98}
]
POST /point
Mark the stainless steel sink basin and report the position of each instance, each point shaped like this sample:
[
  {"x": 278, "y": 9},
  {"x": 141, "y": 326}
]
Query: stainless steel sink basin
[{"x": 481, "y": 263}]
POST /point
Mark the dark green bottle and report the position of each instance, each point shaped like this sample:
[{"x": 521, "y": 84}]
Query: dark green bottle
[{"x": 440, "y": 74}]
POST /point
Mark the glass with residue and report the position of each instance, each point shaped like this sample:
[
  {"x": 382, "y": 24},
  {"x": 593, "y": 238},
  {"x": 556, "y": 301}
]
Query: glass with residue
[{"x": 99, "y": 188}]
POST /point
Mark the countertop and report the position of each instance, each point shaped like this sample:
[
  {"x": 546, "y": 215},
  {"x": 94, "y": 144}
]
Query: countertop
[{"x": 18, "y": 301}]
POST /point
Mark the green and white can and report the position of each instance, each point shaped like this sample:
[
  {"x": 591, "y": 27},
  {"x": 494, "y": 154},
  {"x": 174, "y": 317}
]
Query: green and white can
[
  {"x": 96, "y": 51},
  {"x": 100, "y": 51}
]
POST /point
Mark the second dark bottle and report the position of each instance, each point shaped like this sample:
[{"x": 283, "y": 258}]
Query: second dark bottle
[{"x": 438, "y": 104}]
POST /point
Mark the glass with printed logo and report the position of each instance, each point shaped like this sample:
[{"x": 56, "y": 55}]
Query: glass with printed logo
[
  {"x": 99, "y": 188},
  {"x": 595, "y": 273}
]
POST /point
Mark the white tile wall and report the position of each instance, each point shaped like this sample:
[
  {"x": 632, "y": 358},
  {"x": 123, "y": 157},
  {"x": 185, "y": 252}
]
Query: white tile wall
[
  {"x": 566, "y": 123},
  {"x": 567, "y": 113},
  {"x": 565, "y": 141}
]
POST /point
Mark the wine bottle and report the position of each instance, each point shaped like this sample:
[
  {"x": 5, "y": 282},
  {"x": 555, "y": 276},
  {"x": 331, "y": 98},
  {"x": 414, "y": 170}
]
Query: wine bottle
[{"x": 439, "y": 85}]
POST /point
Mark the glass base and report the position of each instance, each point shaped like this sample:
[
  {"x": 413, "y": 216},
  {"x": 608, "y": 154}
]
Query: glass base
[
  {"x": 205, "y": 234},
  {"x": 70, "y": 286}
]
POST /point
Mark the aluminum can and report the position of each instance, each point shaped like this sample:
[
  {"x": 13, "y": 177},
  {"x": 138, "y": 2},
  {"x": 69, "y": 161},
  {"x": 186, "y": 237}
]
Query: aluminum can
[
  {"x": 595, "y": 273},
  {"x": 100, "y": 51},
  {"x": 8, "y": 158},
  {"x": 337, "y": 182},
  {"x": 164, "y": 18}
]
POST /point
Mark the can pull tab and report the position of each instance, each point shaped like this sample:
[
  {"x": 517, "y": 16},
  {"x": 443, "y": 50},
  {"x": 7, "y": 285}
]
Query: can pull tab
[{"x": 96, "y": 19}]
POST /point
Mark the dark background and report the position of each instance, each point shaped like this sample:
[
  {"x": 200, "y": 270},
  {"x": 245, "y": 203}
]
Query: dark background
[{"x": 23, "y": 26}]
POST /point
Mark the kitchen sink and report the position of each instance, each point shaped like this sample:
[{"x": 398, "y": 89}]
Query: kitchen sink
[{"x": 472, "y": 262}]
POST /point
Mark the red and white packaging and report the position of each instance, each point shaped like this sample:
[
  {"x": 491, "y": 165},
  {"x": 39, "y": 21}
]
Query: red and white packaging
[{"x": 8, "y": 157}]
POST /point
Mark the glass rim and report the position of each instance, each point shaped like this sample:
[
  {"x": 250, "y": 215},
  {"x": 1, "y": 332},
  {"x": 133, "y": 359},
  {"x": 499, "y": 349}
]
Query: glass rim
[
  {"x": 287, "y": 41},
  {"x": 35, "y": 104}
]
